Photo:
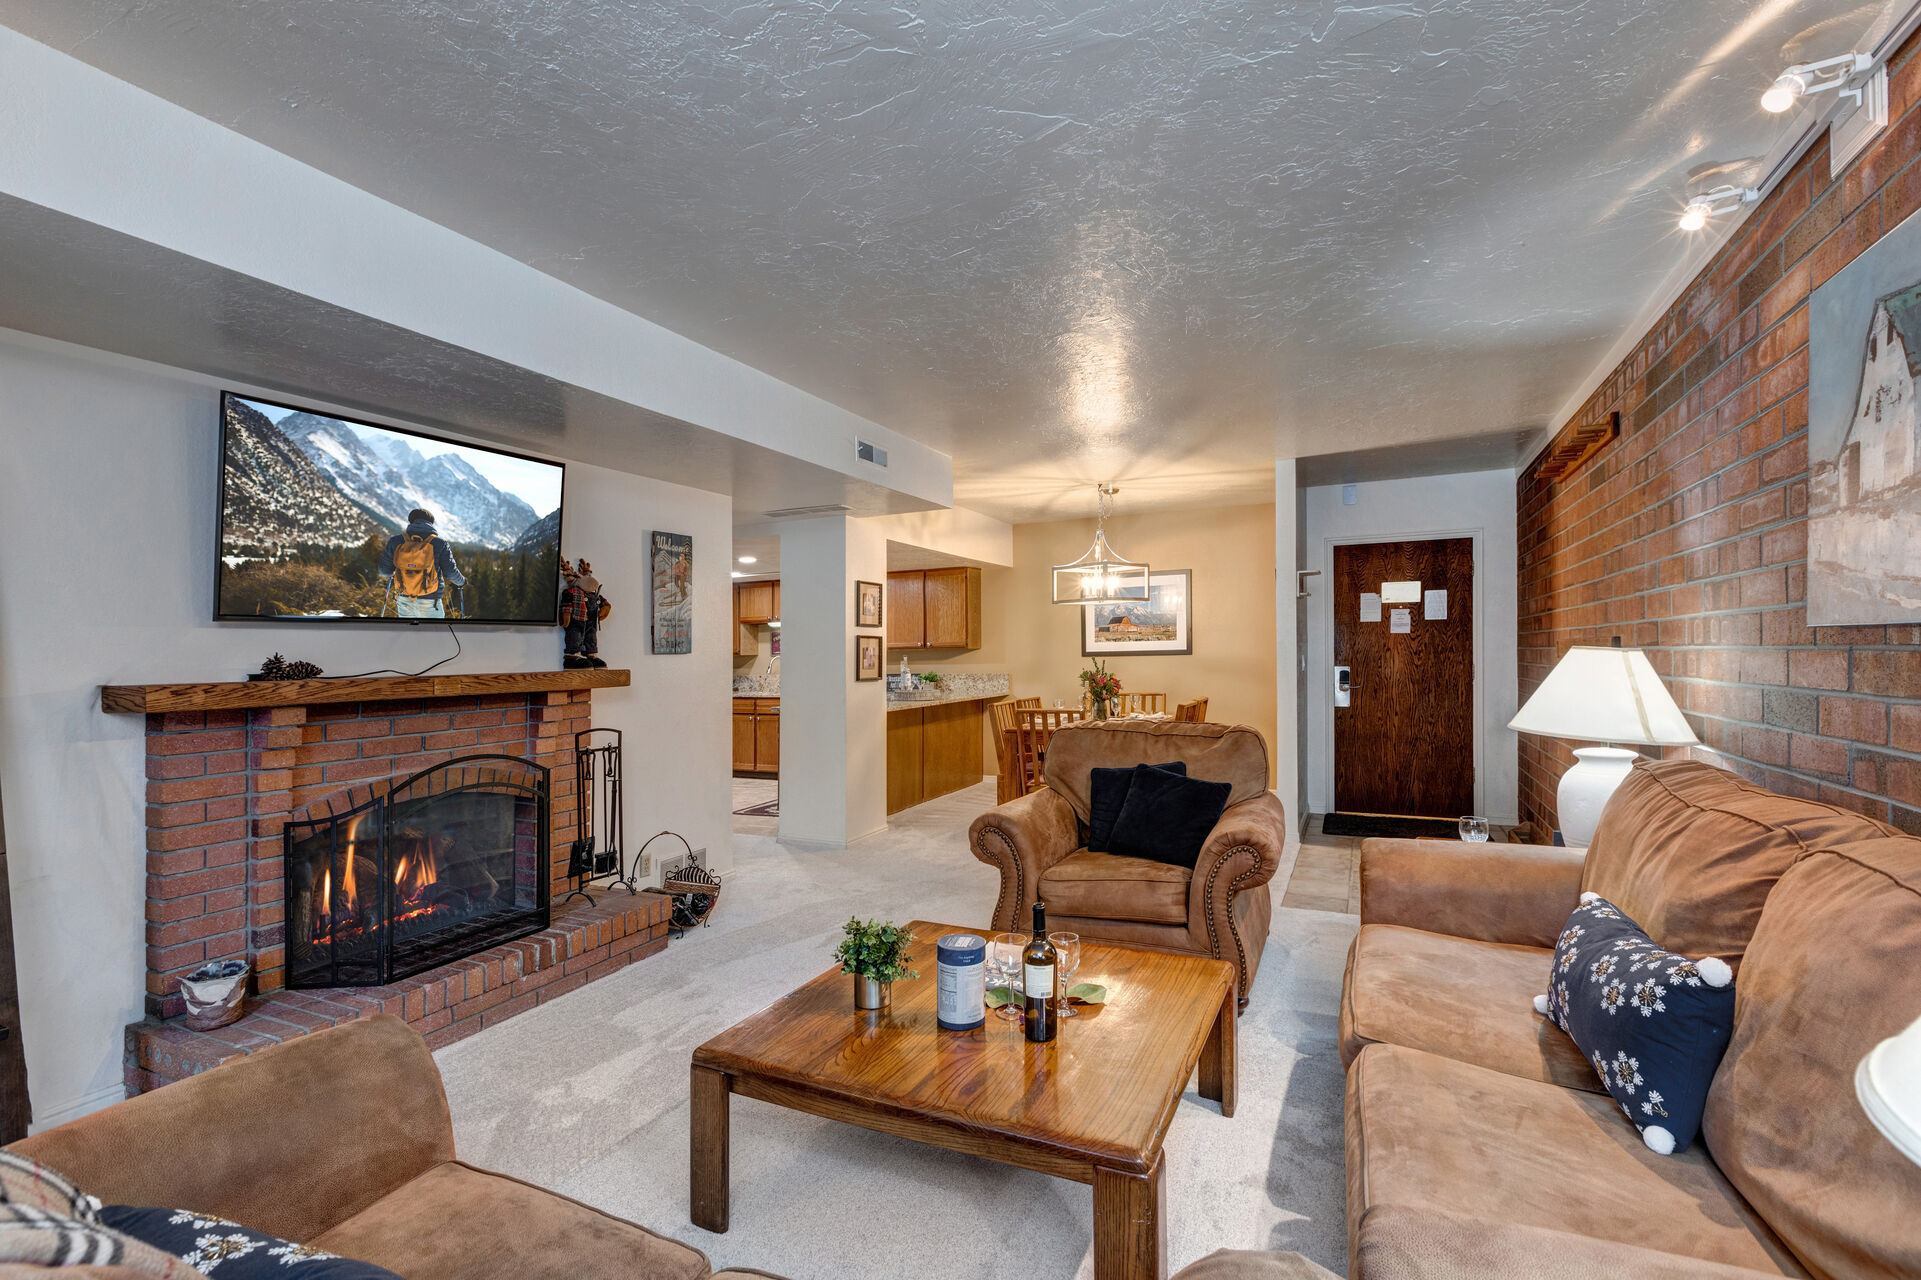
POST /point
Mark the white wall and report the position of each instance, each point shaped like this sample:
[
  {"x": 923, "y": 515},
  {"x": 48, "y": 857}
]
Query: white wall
[
  {"x": 955, "y": 531},
  {"x": 1478, "y": 503},
  {"x": 1287, "y": 744},
  {"x": 833, "y": 728},
  {"x": 106, "y": 577}
]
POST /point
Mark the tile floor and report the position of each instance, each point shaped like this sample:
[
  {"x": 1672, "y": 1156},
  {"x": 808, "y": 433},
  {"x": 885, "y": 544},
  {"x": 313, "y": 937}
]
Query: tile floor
[
  {"x": 749, "y": 792},
  {"x": 1327, "y": 872}
]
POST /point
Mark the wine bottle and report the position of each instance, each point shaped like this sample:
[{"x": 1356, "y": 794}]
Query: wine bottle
[{"x": 1040, "y": 965}]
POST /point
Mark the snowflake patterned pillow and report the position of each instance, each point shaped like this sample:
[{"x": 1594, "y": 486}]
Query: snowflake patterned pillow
[
  {"x": 1654, "y": 1024},
  {"x": 226, "y": 1250}
]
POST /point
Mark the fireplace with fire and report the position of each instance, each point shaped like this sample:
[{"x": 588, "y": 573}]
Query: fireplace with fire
[{"x": 450, "y": 861}]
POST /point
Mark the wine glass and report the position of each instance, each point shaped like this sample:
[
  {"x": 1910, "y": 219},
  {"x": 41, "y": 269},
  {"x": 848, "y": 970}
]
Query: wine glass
[
  {"x": 1474, "y": 829},
  {"x": 1004, "y": 970},
  {"x": 1067, "y": 947}
]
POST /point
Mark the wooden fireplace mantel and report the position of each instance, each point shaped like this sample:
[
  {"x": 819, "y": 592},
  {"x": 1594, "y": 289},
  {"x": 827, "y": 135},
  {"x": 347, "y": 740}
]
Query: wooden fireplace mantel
[{"x": 148, "y": 699}]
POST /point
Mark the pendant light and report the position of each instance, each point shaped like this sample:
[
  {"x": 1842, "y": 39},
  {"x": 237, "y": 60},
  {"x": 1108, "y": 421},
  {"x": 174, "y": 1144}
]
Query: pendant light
[{"x": 1103, "y": 575}]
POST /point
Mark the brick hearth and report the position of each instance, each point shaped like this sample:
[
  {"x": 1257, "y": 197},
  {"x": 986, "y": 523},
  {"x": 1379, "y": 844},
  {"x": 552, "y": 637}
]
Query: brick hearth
[
  {"x": 222, "y": 784},
  {"x": 445, "y": 1004}
]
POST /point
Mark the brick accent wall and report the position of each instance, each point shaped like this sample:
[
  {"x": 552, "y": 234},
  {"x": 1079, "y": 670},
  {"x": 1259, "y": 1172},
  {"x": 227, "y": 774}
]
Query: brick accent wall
[
  {"x": 1688, "y": 536},
  {"x": 221, "y": 786}
]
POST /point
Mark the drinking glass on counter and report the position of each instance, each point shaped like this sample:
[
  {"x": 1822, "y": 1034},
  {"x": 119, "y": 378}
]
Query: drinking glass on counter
[{"x": 1474, "y": 829}]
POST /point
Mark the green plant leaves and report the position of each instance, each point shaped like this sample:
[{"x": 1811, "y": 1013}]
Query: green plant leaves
[
  {"x": 875, "y": 949},
  {"x": 998, "y": 996},
  {"x": 1088, "y": 993}
]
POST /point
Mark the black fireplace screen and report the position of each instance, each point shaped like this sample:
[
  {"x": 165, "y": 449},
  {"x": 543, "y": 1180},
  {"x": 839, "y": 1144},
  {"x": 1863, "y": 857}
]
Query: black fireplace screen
[{"x": 451, "y": 861}]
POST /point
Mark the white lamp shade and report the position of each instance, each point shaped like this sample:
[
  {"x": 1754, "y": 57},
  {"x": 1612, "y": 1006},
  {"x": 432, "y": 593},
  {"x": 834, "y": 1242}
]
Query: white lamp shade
[
  {"x": 1888, "y": 1083},
  {"x": 1604, "y": 695}
]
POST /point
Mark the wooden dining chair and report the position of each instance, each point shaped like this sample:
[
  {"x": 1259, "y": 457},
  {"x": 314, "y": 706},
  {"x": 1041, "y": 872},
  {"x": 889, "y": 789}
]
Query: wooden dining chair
[
  {"x": 1033, "y": 726},
  {"x": 1006, "y": 749},
  {"x": 1193, "y": 710},
  {"x": 1144, "y": 704}
]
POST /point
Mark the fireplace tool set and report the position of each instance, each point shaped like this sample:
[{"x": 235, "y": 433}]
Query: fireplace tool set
[{"x": 596, "y": 854}]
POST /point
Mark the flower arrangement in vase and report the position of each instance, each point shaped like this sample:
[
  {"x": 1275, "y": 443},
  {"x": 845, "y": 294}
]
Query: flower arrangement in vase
[{"x": 1103, "y": 688}]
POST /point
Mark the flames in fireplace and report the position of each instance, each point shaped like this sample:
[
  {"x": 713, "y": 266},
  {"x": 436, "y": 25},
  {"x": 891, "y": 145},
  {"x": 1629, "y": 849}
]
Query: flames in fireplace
[
  {"x": 421, "y": 893},
  {"x": 451, "y": 861}
]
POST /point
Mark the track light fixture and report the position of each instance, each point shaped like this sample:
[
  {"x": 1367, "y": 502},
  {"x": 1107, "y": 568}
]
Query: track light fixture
[
  {"x": 1805, "y": 78},
  {"x": 1712, "y": 204}
]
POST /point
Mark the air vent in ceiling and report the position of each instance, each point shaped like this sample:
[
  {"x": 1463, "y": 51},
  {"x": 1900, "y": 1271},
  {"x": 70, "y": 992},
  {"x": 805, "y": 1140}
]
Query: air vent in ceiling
[
  {"x": 825, "y": 509},
  {"x": 873, "y": 453}
]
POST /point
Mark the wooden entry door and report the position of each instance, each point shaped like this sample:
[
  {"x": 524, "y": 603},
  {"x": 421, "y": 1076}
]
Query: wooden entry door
[{"x": 1404, "y": 744}]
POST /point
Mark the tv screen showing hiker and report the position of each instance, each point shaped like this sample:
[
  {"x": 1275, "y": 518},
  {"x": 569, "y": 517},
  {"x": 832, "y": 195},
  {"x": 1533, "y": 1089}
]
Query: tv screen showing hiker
[{"x": 327, "y": 517}]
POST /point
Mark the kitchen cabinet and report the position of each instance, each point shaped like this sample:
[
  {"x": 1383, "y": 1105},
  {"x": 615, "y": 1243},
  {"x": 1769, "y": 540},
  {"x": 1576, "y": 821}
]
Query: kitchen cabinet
[
  {"x": 757, "y": 735},
  {"x": 754, "y": 602},
  {"x": 932, "y": 751},
  {"x": 934, "y": 609},
  {"x": 743, "y": 735},
  {"x": 906, "y": 622}
]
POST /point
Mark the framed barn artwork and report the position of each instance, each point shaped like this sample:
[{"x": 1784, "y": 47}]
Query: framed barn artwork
[
  {"x": 1864, "y": 437},
  {"x": 1163, "y": 623},
  {"x": 671, "y": 557}
]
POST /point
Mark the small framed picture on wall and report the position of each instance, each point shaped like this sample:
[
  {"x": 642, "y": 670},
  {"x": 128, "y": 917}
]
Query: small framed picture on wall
[
  {"x": 866, "y": 657},
  {"x": 869, "y": 604}
]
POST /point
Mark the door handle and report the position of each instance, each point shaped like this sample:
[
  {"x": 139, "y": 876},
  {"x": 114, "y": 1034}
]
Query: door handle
[{"x": 1343, "y": 684}]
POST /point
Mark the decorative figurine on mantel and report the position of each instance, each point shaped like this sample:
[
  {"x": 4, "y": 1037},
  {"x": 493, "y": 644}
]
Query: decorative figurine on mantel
[{"x": 582, "y": 610}]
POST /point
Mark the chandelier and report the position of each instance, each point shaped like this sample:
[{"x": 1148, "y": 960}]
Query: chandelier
[{"x": 1103, "y": 575}]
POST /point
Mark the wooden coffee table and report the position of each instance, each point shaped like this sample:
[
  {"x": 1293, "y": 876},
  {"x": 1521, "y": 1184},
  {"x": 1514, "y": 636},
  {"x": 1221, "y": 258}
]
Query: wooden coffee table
[{"x": 1093, "y": 1106}]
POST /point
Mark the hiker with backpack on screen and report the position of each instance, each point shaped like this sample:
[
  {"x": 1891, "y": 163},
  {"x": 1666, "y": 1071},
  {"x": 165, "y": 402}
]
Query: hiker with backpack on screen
[{"x": 414, "y": 566}]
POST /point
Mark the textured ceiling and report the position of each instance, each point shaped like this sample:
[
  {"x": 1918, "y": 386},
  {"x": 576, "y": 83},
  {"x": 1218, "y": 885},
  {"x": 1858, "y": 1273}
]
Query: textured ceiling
[{"x": 1155, "y": 242}]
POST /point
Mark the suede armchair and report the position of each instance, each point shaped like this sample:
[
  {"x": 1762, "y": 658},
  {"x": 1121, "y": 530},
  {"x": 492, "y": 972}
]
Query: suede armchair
[
  {"x": 1220, "y": 908},
  {"x": 342, "y": 1139}
]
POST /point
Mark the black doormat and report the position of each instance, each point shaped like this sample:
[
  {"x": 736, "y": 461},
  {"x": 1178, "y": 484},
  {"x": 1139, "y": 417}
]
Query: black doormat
[
  {"x": 767, "y": 809},
  {"x": 1384, "y": 824}
]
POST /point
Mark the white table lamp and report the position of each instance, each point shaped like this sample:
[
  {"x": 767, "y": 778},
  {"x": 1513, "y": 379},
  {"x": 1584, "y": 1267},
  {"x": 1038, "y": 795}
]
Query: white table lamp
[
  {"x": 1888, "y": 1083},
  {"x": 1600, "y": 695}
]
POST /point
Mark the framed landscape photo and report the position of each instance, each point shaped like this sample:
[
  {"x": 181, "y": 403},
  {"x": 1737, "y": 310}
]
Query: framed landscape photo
[
  {"x": 672, "y": 564},
  {"x": 1160, "y": 624},
  {"x": 866, "y": 657},
  {"x": 870, "y": 600}
]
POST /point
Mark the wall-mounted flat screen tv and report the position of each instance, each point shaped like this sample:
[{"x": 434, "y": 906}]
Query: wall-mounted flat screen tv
[{"x": 324, "y": 518}]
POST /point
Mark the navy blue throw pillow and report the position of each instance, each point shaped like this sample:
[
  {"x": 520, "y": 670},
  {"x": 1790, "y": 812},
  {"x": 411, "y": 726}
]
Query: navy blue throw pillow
[
  {"x": 1167, "y": 817},
  {"x": 1654, "y": 1024},
  {"x": 1107, "y": 792},
  {"x": 228, "y": 1251}
]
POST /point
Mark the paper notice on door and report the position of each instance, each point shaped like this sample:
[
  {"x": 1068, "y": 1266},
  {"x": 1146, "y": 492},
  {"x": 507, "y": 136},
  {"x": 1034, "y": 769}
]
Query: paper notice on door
[
  {"x": 1400, "y": 621},
  {"x": 1434, "y": 605},
  {"x": 1370, "y": 606}
]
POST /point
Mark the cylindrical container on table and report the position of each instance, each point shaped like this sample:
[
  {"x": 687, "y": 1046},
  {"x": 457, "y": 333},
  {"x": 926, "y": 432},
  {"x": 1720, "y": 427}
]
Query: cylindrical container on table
[{"x": 961, "y": 979}]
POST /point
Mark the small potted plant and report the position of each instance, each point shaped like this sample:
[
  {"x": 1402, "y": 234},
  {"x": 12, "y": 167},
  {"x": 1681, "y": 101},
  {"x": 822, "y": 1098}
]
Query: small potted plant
[
  {"x": 875, "y": 952},
  {"x": 1103, "y": 688}
]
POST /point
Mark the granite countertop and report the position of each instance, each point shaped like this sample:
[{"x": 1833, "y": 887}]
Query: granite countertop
[{"x": 939, "y": 700}]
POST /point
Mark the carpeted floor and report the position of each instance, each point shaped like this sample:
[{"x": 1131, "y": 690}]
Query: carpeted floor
[{"x": 588, "y": 1095}]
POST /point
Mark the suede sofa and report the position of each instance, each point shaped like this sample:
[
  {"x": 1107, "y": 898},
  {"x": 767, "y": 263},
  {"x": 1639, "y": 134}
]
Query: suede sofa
[
  {"x": 342, "y": 1139},
  {"x": 1220, "y": 907},
  {"x": 1480, "y": 1142}
]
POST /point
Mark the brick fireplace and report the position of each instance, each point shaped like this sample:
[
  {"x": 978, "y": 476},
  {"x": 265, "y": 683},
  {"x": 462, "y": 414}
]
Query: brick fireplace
[{"x": 224, "y": 782}]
